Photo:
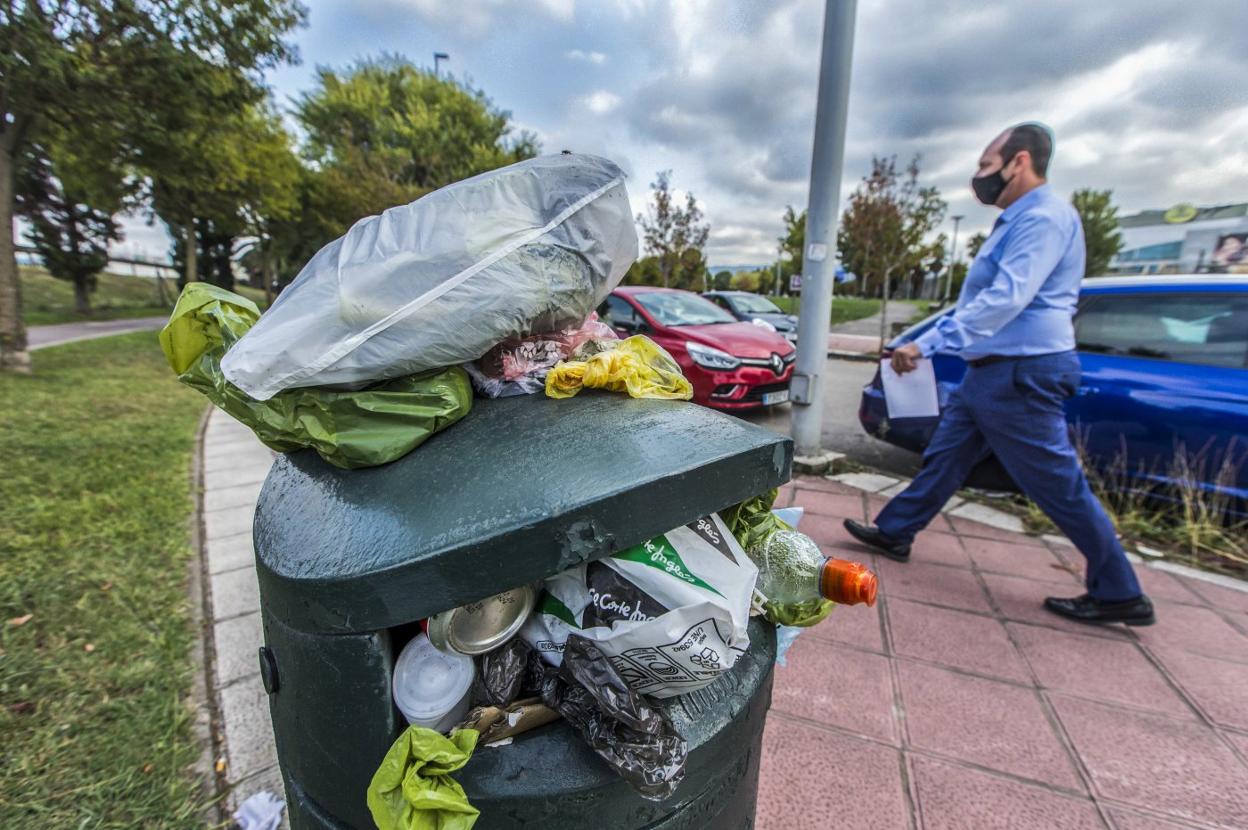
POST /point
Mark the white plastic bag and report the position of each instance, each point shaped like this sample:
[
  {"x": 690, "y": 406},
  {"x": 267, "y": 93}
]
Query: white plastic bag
[
  {"x": 533, "y": 247},
  {"x": 671, "y": 614}
]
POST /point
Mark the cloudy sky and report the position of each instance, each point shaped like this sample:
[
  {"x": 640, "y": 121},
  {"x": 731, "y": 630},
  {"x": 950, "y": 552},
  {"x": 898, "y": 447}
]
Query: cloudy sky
[{"x": 1147, "y": 97}]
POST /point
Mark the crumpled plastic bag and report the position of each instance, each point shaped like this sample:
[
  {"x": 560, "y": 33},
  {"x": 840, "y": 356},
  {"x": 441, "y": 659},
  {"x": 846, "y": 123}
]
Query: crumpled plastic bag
[
  {"x": 348, "y": 429},
  {"x": 518, "y": 366},
  {"x": 532, "y": 247},
  {"x": 500, "y": 674},
  {"x": 637, "y": 740},
  {"x": 413, "y": 788},
  {"x": 637, "y": 365},
  {"x": 752, "y": 522},
  {"x": 261, "y": 811}
]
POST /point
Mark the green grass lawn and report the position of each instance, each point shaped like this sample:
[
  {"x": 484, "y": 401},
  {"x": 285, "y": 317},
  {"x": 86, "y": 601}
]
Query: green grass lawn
[
  {"x": 844, "y": 309},
  {"x": 47, "y": 300},
  {"x": 95, "y": 495}
]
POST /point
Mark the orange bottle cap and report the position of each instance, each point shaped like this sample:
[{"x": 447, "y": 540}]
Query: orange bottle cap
[{"x": 848, "y": 583}]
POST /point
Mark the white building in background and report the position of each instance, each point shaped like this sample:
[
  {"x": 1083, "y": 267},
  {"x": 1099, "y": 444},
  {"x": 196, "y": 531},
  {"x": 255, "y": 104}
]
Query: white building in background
[{"x": 1184, "y": 239}]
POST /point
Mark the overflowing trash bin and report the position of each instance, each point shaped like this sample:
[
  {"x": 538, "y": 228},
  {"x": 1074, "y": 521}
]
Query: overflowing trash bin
[{"x": 521, "y": 490}]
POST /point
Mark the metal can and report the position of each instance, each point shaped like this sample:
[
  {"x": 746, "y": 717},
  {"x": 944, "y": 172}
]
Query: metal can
[{"x": 482, "y": 626}]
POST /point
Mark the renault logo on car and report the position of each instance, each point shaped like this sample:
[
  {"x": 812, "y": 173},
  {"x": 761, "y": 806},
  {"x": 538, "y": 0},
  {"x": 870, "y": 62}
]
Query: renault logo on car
[{"x": 777, "y": 365}]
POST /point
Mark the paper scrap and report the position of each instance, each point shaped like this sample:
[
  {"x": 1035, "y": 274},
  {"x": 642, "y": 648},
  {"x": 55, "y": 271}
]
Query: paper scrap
[{"x": 912, "y": 395}]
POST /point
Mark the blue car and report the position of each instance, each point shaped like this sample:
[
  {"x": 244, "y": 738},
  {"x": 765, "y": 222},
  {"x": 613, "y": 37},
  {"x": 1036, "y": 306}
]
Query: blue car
[{"x": 1163, "y": 401}]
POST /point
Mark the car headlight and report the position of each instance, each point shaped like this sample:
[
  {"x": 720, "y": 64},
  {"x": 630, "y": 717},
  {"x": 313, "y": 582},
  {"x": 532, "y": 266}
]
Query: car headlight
[
  {"x": 709, "y": 357},
  {"x": 763, "y": 324}
]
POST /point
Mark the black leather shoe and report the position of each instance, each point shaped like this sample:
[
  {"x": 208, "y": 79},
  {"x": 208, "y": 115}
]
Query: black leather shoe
[
  {"x": 1086, "y": 609},
  {"x": 873, "y": 537}
]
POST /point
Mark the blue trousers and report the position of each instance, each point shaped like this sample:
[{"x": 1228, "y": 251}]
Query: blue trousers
[{"x": 1013, "y": 408}]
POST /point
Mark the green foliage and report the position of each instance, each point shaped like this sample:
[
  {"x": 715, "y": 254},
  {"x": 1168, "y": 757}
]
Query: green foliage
[
  {"x": 747, "y": 281},
  {"x": 792, "y": 243},
  {"x": 94, "y": 502},
  {"x": 675, "y": 236},
  {"x": 722, "y": 281},
  {"x": 974, "y": 242},
  {"x": 1099, "y": 216}
]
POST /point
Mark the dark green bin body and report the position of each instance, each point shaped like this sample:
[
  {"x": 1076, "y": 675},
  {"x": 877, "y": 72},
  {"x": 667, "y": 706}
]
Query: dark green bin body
[{"x": 521, "y": 489}]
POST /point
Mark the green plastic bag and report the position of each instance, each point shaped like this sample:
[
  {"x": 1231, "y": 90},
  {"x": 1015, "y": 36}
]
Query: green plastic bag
[
  {"x": 752, "y": 523},
  {"x": 413, "y": 788},
  {"x": 348, "y": 429}
]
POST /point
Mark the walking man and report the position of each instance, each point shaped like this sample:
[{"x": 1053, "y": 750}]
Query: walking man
[{"x": 1013, "y": 326}]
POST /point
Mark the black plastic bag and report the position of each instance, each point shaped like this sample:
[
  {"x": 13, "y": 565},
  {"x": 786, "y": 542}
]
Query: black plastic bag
[
  {"x": 500, "y": 674},
  {"x": 631, "y": 735}
]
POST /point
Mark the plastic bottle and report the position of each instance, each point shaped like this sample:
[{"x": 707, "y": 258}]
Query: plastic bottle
[{"x": 792, "y": 569}]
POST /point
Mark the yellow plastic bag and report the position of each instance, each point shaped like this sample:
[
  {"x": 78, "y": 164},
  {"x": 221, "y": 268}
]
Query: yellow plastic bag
[
  {"x": 413, "y": 788},
  {"x": 638, "y": 366}
]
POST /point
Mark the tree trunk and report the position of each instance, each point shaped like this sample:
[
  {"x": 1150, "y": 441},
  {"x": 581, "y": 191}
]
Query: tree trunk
[
  {"x": 13, "y": 354},
  {"x": 82, "y": 294},
  {"x": 191, "y": 252}
]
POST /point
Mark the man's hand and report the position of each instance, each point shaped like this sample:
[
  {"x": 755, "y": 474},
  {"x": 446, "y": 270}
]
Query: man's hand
[{"x": 906, "y": 358}]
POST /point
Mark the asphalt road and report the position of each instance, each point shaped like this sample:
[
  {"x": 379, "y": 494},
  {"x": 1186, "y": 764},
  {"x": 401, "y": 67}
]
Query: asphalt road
[
  {"x": 40, "y": 337},
  {"x": 841, "y": 430}
]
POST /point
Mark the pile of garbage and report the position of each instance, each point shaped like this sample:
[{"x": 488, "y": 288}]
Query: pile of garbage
[
  {"x": 594, "y": 644},
  {"x": 487, "y": 284}
]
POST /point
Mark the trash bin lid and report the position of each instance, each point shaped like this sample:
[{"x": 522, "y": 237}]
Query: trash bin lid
[{"x": 520, "y": 489}]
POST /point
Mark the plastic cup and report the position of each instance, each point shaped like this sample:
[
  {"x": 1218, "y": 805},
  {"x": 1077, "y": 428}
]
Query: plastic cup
[{"x": 430, "y": 687}]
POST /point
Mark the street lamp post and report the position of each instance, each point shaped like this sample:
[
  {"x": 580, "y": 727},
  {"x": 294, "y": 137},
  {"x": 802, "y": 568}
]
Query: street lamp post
[
  {"x": 819, "y": 256},
  {"x": 953, "y": 255},
  {"x": 438, "y": 57}
]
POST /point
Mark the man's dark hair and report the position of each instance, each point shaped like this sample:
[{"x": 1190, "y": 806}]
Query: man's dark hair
[{"x": 1033, "y": 138}]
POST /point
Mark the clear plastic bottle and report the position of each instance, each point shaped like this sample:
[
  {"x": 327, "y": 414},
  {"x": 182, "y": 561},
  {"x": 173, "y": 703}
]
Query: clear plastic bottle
[{"x": 792, "y": 569}]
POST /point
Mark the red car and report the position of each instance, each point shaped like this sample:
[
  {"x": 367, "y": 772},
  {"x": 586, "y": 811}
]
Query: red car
[{"x": 731, "y": 364}]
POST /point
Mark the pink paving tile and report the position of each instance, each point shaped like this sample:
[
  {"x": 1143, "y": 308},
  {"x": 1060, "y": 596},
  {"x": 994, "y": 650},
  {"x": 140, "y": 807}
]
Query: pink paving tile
[
  {"x": 1218, "y": 596},
  {"x": 970, "y": 528},
  {"x": 1219, "y": 687},
  {"x": 942, "y": 548},
  {"x": 811, "y": 779},
  {"x": 825, "y": 485},
  {"x": 1194, "y": 629},
  {"x": 838, "y": 686},
  {"x": 1022, "y": 599},
  {"x": 856, "y": 625},
  {"x": 953, "y": 797},
  {"x": 1173, "y": 766},
  {"x": 940, "y": 584},
  {"x": 1112, "y": 670},
  {"x": 1240, "y": 742},
  {"x": 1124, "y": 820},
  {"x": 1032, "y": 561},
  {"x": 830, "y": 533},
  {"x": 954, "y": 638},
  {"x": 830, "y": 504},
  {"x": 784, "y": 497},
  {"x": 984, "y": 722},
  {"x": 1161, "y": 585}
]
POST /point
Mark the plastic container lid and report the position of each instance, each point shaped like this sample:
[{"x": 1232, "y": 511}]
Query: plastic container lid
[{"x": 429, "y": 684}]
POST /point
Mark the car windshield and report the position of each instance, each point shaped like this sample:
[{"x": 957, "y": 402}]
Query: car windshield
[
  {"x": 679, "y": 308},
  {"x": 754, "y": 304}
]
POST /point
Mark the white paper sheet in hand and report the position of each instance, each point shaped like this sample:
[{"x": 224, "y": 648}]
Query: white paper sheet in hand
[{"x": 912, "y": 395}]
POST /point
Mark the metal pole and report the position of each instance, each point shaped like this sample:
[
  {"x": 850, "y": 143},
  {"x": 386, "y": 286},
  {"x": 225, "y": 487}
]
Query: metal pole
[
  {"x": 953, "y": 257},
  {"x": 819, "y": 257},
  {"x": 438, "y": 57}
]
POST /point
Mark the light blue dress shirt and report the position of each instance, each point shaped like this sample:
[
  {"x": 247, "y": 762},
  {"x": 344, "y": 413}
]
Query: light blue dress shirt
[{"x": 1022, "y": 288}]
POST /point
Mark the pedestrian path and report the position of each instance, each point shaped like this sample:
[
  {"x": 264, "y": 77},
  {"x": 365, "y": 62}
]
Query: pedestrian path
[
  {"x": 958, "y": 702},
  {"x": 41, "y": 337}
]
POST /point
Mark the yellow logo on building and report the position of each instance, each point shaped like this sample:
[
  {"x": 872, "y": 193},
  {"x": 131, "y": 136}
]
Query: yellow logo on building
[{"x": 1180, "y": 213}]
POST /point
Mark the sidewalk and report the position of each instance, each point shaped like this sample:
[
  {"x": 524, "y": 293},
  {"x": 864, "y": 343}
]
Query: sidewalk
[
  {"x": 41, "y": 337},
  {"x": 957, "y": 702}
]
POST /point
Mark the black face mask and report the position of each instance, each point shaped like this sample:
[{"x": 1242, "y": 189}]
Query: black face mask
[{"x": 989, "y": 188}]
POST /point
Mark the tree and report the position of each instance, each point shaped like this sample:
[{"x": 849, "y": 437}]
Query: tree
[
  {"x": 882, "y": 231},
  {"x": 96, "y": 70},
  {"x": 675, "y": 236},
  {"x": 1100, "y": 228},
  {"x": 792, "y": 244},
  {"x": 722, "y": 281},
  {"x": 747, "y": 281},
  {"x": 974, "y": 242}
]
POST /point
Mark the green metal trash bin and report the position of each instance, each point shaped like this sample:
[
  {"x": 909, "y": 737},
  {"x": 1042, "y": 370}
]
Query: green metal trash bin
[{"x": 521, "y": 489}]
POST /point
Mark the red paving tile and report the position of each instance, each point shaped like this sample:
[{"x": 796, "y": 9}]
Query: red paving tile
[
  {"x": 1111, "y": 670},
  {"x": 813, "y": 780},
  {"x": 985, "y": 722},
  {"x": 1218, "y": 596},
  {"x": 856, "y": 625},
  {"x": 941, "y": 548},
  {"x": 970, "y": 528},
  {"x": 825, "y": 485},
  {"x": 838, "y": 686},
  {"x": 1032, "y": 561},
  {"x": 1124, "y": 820},
  {"x": 953, "y": 797},
  {"x": 1219, "y": 687},
  {"x": 939, "y": 584},
  {"x": 1023, "y": 600},
  {"x": 1160, "y": 763},
  {"x": 1161, "y": 585},
  {"x": 830, "y": 504},
  {"x": 1190, "y": 628},
  {"x": 829, "y": 532},
  {"x": 954, "y": 638}
]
